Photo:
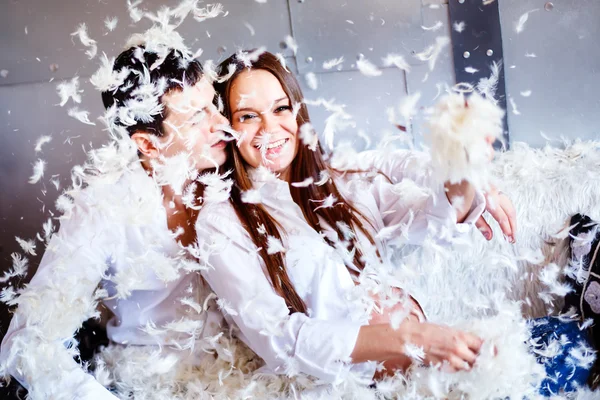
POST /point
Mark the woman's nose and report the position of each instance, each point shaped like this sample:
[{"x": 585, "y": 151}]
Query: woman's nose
[{"x": 268, "y": 123}]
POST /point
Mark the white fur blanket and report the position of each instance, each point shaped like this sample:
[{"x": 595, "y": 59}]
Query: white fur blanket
[{"x": 490, "y": 288}]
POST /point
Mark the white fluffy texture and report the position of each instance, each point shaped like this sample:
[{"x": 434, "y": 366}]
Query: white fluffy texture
[
  {"x": 42, "y": 140},
  {"x": 434, "y": 27},
  {"x": 105, "y": 79},
  {"x": 291, "y": 44},
  {"x": 83, "y": 36},
  {"x": 111, "y": 23},
  {"x": 334, "y": 62},
  {"x": 396, "y": 60},
  {"x": 367, "y": 68},
  {"x": 459, "y": 26},
  {"x": 520, "y": 25},
  {"x": 458, "y": 128},
  {"x": 335, "y": 122},
  {"x": 487, "y": 86},
  {"x": 431, "y": 53},
  {"x": 67, "y": 90},
  {"x": 38, "y": 171},
  {"x": 174, "y": 171},
  {"x": 80, "y": 115},
  {"x": 311, "y": 80},
  {"x": 308, "y": 136}
]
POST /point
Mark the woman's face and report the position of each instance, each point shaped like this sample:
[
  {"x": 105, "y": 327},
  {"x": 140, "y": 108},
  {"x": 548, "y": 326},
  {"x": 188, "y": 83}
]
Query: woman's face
[{"x": 262, "y": 113}]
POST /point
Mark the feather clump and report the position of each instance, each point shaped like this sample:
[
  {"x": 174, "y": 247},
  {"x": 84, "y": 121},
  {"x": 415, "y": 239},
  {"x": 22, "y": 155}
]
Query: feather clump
[{"x": 460, "y": 129}]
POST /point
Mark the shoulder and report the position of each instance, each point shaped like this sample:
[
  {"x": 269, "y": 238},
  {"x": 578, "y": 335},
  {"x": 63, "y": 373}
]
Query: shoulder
[{"x": 218, "y": 220}]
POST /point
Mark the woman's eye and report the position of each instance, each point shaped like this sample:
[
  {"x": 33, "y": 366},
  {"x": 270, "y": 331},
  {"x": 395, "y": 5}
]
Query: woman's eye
[
  {"x": 282, "y": 108},
  {"x": 246, "y": 117}
]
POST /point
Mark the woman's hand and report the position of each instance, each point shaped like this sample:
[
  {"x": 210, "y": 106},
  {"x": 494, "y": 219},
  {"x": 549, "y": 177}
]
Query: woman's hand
[
  {"x": 444, "y": 346},
  {"x": 502, "y": 210}
]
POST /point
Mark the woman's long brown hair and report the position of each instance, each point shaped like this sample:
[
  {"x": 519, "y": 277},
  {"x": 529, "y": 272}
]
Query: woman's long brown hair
[{"x": 306, "y": 164}]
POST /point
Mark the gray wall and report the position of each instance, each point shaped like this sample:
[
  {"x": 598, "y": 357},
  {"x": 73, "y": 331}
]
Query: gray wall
[{"x": 564, "y": 77}]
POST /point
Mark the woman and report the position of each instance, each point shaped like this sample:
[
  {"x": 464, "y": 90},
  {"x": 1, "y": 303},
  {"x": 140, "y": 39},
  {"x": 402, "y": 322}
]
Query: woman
[{"x": 285, "y": 251}]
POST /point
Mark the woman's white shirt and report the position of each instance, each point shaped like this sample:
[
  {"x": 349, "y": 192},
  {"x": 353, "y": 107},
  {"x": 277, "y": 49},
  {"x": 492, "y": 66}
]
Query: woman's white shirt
[{"x": 320, "y": 342}]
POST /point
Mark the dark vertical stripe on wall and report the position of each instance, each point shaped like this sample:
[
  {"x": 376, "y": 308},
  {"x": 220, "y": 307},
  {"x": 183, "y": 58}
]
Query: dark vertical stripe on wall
[{"x": 478, "y": 46}]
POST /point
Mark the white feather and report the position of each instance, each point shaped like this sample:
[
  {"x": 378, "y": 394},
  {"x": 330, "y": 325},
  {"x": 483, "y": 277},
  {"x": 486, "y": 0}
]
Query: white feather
[
  {"x": 396, "y": 60},
  {"x": 42, "y": 140},
  {"x": 80, "y": 115},
  {"x": 459, "y": 26},
  {"x": 111, "y": 23},
  {"x": 311, "y": 80},
  {"x": 28, "y": 246},
  {"x": 334, "y": 62},
  {"x": 83, "y": 36},
  {"x": 367, "y": 68},
  {"x": 67, "y": 90},
  {"x": 38, "y": 171},
  {"x": 305, "y": 183}
]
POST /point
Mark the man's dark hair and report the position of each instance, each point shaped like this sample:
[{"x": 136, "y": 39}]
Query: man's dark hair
[{"x": 146, "y": 68}]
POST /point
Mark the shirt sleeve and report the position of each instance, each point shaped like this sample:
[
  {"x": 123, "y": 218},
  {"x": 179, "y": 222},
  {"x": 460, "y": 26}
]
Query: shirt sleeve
[
  {"x": 288, "y": 343},
  {"x": 38, "y": 348},
  {"x": 409, "y": 200}
]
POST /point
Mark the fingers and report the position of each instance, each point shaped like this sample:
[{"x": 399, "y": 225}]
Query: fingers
[
  {"x": 484, "y": 228},
  {"x": 500, "y": 216},
  {"x": 473, "y": 342},
  {"x": 509, "y": 209}
]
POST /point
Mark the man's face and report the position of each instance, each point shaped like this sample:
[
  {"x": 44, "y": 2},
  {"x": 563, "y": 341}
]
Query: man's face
[{"x": 193, "y": 126}]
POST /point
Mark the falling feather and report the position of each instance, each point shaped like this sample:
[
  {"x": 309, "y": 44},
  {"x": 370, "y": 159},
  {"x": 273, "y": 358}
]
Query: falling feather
[
  {"x": 274, "y": 245},
  {"x": 42, "y": 140},
  {"x": 305, "y": 183},
  {"x": 334, "y": 62},
  {"x": 38, "y": 171},
  {"x": 308, "y": 136},
  {"x": 367, "y": 68},
  {"x": 252, "y": 196},
  {"x": 434, "y": 27},
  {"x": 328, "y": 202},
  {"x": 80, "y": 115},
  {"x": 471, "y": 70},
  {"x": 111, "y": 23},
  {"x": 67, "y": 90},
  {"x": 19, "y": 266},
  {"x": 431, "y": 53},
  {"x": 520, "y": 26},
  {"x": 513, "y": 106},
  {"x": 526, "y": 93},
  {"x": 28, "y": 246},
  {"x": 311, "y": 80},
  {"x": 459, "y": 26},
  {"x": 82, "y": 34},
  {"x": 291, "y": 44},
  {"x": 397, "y": 61}
]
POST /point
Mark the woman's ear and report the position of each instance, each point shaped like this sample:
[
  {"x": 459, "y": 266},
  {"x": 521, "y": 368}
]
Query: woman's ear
[{"x": 147, "y": 144}]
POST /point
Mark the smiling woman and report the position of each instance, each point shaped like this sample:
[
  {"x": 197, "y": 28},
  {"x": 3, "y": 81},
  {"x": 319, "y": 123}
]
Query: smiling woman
[
  {"x": 291, "y": 257},
  {"x": 267, "y": 122}
]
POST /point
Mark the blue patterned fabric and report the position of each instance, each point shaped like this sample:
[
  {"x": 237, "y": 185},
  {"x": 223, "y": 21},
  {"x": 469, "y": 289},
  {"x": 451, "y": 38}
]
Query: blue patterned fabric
[{"x": 565, "y": 352}]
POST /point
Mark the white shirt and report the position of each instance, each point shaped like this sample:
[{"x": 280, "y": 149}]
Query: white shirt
[
  {"x": 320, "y": 343},
  {"x": 114, "y": 238}
]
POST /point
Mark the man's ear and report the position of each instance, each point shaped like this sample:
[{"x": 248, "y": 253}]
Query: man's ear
[{"x": 147, "y": 144}]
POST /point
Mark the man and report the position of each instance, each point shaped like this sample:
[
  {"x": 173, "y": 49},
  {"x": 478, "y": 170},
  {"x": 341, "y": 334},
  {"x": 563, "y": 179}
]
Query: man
[{"x": 127, "y": 230}]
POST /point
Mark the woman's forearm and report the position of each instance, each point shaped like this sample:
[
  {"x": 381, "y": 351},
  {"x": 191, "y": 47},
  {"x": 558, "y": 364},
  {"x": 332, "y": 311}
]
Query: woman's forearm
[
  {"x": 461, "y": 196},
  {"x": 380, "y": 342}
]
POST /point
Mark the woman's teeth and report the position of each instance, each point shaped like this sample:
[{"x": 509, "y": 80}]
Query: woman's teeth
[{"x": 273, "y": 145}]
